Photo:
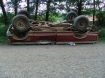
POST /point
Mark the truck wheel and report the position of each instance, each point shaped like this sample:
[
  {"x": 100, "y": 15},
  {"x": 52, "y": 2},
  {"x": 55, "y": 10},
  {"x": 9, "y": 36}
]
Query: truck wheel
[
  {"x": 19, "y": 35},
  {"x": 20, "y": 23},
  {"x": 24, "y": 12},
  {"x": 81, "y": 23},
  {"x": 71, "y": 15}
]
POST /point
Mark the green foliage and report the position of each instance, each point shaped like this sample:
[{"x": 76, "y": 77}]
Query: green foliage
[
  {"x": 41, "y": 17},
  {"x": 61, "y": 17},
  {"x": 1, "y": 18},
  {"x": 101, "y": 39},
  {"x": 3, "y": 30},
  {"x": 52, "y": 18},
  {"x": 3, "y": 40},
  {"x": 101, "y": 18},
  {"x": 32, "y": 16},
  {"x": 102, "y": 33},
  {"x": 87, "y": 12},
  {"x": 9, "y": 16}
]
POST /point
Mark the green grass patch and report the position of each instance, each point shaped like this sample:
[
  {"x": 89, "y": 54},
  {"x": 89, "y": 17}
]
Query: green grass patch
[
  {"x": 3, "y": 30},
  {"x": 3, "y": 40},
  {"x": 102, "y": 33},
  {"x": 101, "y": 40}
]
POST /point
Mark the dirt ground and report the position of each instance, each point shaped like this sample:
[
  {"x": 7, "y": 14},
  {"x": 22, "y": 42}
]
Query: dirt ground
[{"x": 52, "y": 61}]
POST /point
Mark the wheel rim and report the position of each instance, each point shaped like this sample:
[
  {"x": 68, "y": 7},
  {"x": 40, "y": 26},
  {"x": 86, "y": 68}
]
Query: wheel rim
[
  {"x": 82, "y": 23},
  {"x": 20, "y": 23},
  {"x": 71, "y": 17}
]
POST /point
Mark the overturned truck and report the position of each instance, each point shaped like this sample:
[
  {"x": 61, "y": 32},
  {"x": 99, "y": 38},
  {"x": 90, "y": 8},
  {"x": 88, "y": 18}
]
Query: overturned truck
[{"x": 74, "y": 29}]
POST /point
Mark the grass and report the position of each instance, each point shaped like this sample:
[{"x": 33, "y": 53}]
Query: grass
[
  {"x": 102, "y": 35},
  {"x": 3, "y": 37},
  {"x": 101, "y": 40},
  {"x": 3, "y": 40}
]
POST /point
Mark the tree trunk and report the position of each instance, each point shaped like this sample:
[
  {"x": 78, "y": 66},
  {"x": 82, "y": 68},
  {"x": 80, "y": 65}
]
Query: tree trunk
[
  {"x": 36, "y": 10},
  {"x": 48, "y": 10},
  {"x": 80, "y": 7},
  {"x": 28, "y": 5},
  {"x": 4, "y": 12},
  {"x": 16, "y": 2},
  {"x": 94, "y": 12}
]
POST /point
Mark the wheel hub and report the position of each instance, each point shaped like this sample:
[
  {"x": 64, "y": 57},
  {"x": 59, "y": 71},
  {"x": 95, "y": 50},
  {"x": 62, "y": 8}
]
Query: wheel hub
[
  {"x": 82, "y": 23},
  {"x": 21, "y": 23}
]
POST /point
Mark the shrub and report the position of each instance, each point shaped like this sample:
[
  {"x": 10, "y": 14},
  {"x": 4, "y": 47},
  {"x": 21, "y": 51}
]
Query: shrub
[
  {"x": 52, "y": 18},
  {"x": 101, "y": 19},
  {"x": 41, "y": 17},
  {"x": 9, "y": 16},
  {"x": 32, "y": 16},
  {"x": 3, "y": 30},
  {"x": 102, "y": 33},
  {"x": 3, "y": 40},
  {"x": 1, "y": 18}
]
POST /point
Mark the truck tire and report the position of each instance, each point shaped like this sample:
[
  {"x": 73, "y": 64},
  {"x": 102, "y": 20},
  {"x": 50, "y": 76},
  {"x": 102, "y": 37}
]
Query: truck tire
[
  {"x": 19, "y": 35},
  {"x": 20, "y": 23},
  {"x": 71, "y": 16},
  {"x": 81, "y": 23},
  {"x": 24, "y": 12}
]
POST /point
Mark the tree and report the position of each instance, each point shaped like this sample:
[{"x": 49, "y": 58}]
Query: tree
[
  {"x": 51, "y": 7},
  {"x": 13, "y": 4},
  {"x": 48, "y": 10},
  {"x": 94, "y": 11},
  {"x": 16, "y": 6},
  {"x": 80, "y": 5},
  {"x": 4, "y": 12},
  {"x": 28, "y": 5},
  {"x": 77, "y": 4},
  {"x": 36, "y": 10}
]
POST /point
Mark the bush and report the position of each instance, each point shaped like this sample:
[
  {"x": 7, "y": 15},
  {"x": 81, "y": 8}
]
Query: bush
[
  {"x": 102, "y": 33},
  {"x": 32, "y": 16},
  {"x": 3, "y": 40},
  {"x": 3, "y": 30},
  {"x": 101, "y": 18},
  {"x": 1, "y": 18},
  {"x": 9, "y": 16},
  {"x": 41, "y": 17},
  {"x": 52, "y": 18}
]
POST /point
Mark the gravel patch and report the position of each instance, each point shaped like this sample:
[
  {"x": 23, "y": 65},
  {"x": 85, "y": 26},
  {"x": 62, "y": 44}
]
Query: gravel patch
[{"x": 52, "y": 61}]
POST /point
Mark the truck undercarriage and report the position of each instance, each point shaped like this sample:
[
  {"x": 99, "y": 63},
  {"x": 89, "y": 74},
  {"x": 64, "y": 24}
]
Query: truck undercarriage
[{"x": 75, "y": 29}]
